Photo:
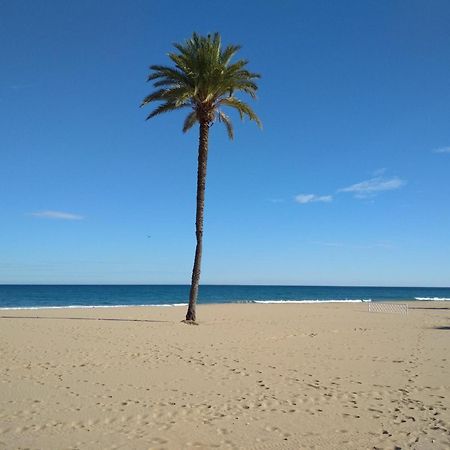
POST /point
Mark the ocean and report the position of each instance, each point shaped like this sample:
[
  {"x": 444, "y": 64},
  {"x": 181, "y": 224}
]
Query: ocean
[{"x": 65, "y": 296}]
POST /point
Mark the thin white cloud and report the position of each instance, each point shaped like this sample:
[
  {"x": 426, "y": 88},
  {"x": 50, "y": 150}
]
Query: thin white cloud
[
  {"x": 379, "y": 172},
  {"x": 374, "y": 186},
  {"x": 58, "y": 215},
  {"x": 442, "y": 150},
  {"x": 276, "y": 200},
  {"x": 309, "y": 198}
]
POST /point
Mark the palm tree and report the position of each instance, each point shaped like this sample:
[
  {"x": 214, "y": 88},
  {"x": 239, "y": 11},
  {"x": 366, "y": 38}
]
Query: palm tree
[{"x": 204, "y": 80}]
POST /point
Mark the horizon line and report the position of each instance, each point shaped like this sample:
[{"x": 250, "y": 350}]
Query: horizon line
[{"x": 228, "y": 284}]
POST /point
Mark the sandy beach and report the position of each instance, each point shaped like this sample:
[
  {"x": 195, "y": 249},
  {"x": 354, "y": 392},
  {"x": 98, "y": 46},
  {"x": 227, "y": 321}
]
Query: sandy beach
[{"x": 326, "y": 376}]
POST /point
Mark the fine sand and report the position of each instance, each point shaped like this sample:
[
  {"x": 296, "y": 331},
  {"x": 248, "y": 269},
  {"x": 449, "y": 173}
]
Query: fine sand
[{"x": 250, "y": 376}]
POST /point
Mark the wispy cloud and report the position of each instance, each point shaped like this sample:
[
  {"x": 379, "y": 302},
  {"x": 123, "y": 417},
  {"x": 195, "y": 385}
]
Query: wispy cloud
[
  {"x": 374, "y": 186},
  {"x": 366, "y": 189},
  {"x": 442, "y": 150},
  {"x": 309, "y": 198},
  {"x": 379, "y": 172},
  {"x": 58, "y": 215},
  {"x": 276, "y": 200}
]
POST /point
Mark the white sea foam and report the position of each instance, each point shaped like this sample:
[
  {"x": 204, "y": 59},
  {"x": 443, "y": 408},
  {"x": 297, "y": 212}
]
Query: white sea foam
[
  {"x": 312, "y": 301},
  {"x": 13, "y": 308},
  {"x": 171, "y": 305},
  {"x": 433, "y": 299}
]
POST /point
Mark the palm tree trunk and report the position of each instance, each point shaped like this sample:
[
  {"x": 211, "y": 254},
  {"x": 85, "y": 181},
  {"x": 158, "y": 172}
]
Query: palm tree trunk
[{"x": 201, "y": 184}]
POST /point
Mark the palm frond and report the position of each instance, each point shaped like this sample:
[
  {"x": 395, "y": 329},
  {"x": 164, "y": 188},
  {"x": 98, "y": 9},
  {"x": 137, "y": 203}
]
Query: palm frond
[
  {"x": 168, "y": 73},
  {"x": 190, "y": 121},
  {"x": 228, "y": 53},
  {"x": 166, "y": 82},
  {"x": 176, "y": 94},
  {"x": 242, "y": 108},
  {"x": 227, "y": 121},
  {"x": 238, "y": 65},
  {"x": 165, "y": 107},
  {"x": 157, "y": 95}
]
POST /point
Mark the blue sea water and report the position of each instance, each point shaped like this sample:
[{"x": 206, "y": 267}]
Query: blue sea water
[{"x": 41, "y": 296}]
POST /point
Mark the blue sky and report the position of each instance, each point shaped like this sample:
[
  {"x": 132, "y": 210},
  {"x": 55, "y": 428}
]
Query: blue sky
[{"x": 347, "y": 183}]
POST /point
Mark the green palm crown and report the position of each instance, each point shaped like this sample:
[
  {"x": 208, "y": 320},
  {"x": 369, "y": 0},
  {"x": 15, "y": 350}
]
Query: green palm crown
[{"x": 205, "y": 80}]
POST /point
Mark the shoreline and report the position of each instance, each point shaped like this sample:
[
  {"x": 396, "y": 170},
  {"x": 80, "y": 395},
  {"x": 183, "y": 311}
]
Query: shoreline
[{"x": 235, "y": 302}]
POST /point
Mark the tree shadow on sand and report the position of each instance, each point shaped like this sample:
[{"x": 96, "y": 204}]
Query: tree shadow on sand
[
  {"x": 85, "y": 318},
  {"x": 430, "y": 307}
]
